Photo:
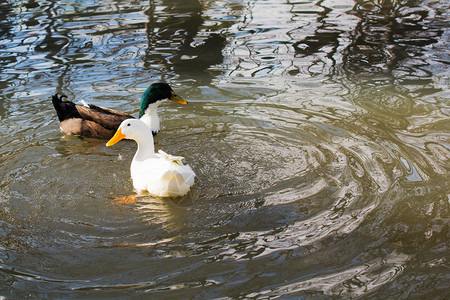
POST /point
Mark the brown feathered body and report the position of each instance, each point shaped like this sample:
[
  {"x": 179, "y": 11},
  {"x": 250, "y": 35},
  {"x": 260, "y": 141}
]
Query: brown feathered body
[{"x": 90, "y": 121}]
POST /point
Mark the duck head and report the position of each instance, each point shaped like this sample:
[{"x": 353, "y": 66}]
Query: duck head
[
  {"x": 133, "y": 129},
  {"x": 158, "y": 92}
]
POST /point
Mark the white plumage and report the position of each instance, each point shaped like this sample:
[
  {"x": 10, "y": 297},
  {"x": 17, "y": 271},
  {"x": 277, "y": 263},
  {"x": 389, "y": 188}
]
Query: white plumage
[{"x": 160, "y": 174}]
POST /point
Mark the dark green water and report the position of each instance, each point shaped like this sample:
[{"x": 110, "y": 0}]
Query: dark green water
[{"x": 318, "y": 130}]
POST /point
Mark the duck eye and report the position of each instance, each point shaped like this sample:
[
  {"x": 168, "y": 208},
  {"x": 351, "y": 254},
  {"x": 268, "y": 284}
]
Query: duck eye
[{"x": 128, "y": 124}]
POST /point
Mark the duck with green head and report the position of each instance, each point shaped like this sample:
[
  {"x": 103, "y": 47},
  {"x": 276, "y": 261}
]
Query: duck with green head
[{"x": 99, "y": 122}]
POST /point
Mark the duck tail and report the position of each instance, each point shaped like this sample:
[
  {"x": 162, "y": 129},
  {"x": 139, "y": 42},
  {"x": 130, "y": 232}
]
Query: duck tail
[
  {"x": 172, "y": 175},
  {"x": 176, "y": 184},
  {"x": 64, "y": 109}
]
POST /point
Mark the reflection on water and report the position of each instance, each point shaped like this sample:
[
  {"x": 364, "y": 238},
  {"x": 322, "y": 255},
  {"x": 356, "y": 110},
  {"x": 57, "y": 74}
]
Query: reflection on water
[{"x": 318, "y": 133}]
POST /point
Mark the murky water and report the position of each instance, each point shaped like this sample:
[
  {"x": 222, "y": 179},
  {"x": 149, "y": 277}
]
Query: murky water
[{"x": 318, "y": 130}]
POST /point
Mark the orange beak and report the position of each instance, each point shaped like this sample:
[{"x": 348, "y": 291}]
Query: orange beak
[
  {"x": 117, "y": 137},
  {"x": 175, "y": 98}
]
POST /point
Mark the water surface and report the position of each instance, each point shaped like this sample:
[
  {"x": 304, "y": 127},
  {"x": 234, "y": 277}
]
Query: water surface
[{"x": 318, "y": 131}]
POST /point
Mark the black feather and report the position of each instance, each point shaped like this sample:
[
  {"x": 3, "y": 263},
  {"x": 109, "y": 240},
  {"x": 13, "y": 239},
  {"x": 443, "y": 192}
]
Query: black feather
[{"x": 64, "y": 109}]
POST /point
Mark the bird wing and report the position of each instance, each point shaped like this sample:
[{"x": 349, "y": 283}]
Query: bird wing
[{"x": 108, "y": 118}]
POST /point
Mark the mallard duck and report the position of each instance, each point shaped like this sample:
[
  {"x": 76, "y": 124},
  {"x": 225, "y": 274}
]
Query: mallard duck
[
  {"x": 99, "y": 122},
  {"x": 160, "y": 174}
]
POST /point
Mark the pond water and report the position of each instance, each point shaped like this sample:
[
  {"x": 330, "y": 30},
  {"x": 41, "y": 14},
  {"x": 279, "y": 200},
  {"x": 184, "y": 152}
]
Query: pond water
[{"x": 318, "y": 130}]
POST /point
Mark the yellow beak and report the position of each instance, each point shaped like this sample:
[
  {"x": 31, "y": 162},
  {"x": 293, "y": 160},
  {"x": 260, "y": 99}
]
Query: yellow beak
[
  {"x": 117, "y": 137},
  {"x": 175, "y": 98}
]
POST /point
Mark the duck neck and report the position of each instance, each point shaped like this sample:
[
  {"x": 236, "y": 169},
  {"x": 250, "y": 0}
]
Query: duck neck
[
  {"x": 146, "y": 148},
  {"x": 150, "y": 117}
]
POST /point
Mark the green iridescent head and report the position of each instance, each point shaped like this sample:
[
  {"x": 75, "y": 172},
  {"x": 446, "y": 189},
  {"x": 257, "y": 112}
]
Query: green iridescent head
[{"x": 159, "y": 91}]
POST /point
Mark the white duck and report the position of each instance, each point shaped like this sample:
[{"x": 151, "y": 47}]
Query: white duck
[{"x": 160, "y": 174}]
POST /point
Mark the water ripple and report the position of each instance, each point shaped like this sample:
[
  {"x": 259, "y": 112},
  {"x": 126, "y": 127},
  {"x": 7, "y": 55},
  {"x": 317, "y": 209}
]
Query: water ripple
[
  {"x": 318, "y": 134},
  {"x": 350, "y": 282}
]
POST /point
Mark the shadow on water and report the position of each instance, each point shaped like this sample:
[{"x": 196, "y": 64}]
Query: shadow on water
[
  {"x": 179, "y": 32},
  {"x": 388, "y": 38},
  {"x": 5, "y": 29},
  {"x": 174, "y": 48},
  {"x": 389, "y": 35}
]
